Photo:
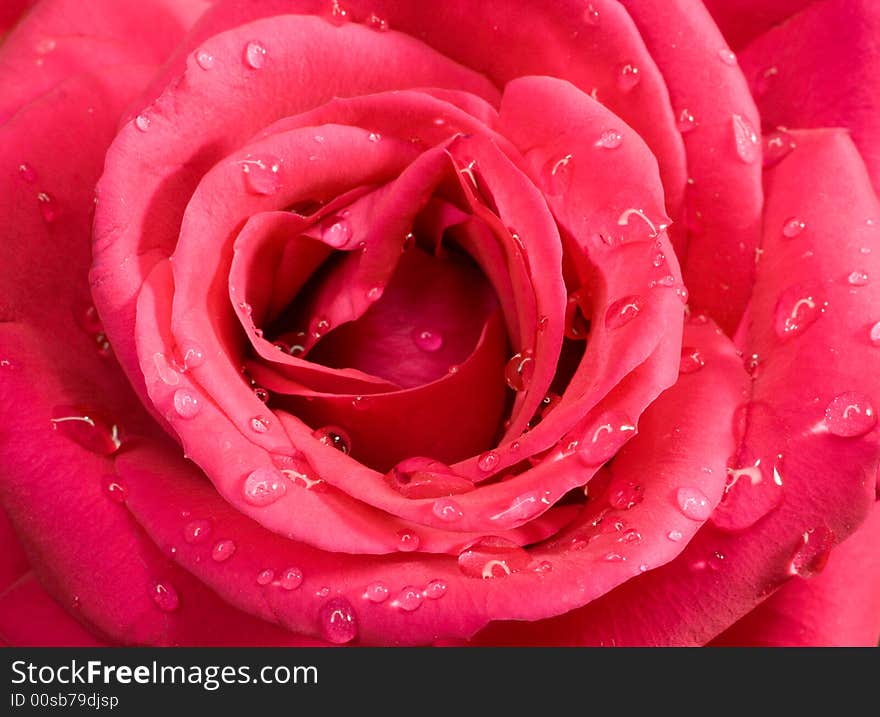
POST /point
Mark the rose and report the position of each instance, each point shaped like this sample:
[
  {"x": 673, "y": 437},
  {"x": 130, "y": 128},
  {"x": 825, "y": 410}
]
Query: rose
[{"x": 379, "y": 497}]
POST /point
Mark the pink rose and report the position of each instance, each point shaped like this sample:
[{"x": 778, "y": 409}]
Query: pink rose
[{"x": 489, "y": 323}]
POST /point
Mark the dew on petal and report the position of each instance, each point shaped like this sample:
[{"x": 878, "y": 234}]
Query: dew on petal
[
  {"x": 850, "y": 415},
  {"x": 857, "y": 278},
  {"x": 427, "y": 340},
  {"x": 685, "y": 121},
  {"x": 186, "y": 403},
  {"x": 591, "y": 15},
  {"x": 812, "y": 552},
  {"x": 874, "y": 334},
  {"x": 752, "y": 491},
  {"x": 727, "y": 57},
  {"x": 796, "y": 310},
  {"x": 409, "y": 599},
  {"x": 142, "y": 122},
  {"x": 205, "y": 59},
  {"x": 519, "y": 370},
  {"x": 259, "y": 424},
  {"x": 196, "y": 531},
  {"x": 777, "y": 146},
  {"x": 337, "y": 232},
  {"x": 338, "y": 621},
  {"x": 165, "y": 596},
  {"x": 609, "y": 139},
  {"x": 602, "y": 438},
  {"x": 420, "y": 477},
  {"x": 86, "y": 428},
  {"x": 48, "y": 207},
  {"x": 335, "y": 437},
  {"x": 746, "y": 139},
  {"x": 223, "y": 550},
  {"x": 27, "y": 173},
  {"x": 523, "y": 508},
  {"x": 488, "y": 461},
  {"x": 447, "y": 510},
  {"x": 792, "y": 227},
  {"x": 556, "y": 175},
  {"x": 407, "y": 541},
  {"x": 693, "y": 503},
  {"x": 691, "y": 360},
  {"x": 435, "y": 589},
  {"x": 264, "y": 486},
  {"x": 114, "y": 488},
  {"x": 628, "y": 77},
  {"x": 674, "y": 535},
  {"x": 291, "y": 579},
  {"x": 376, "y": 592},
  {"x": 264, "y": 577},
  {"x": 622, "y": 311},
  {"x": 492, "y": 557},
  {"x": 262, "y": 175},
  {"x": 623, "y": 493},
  {"x": 255, "y": 55}
]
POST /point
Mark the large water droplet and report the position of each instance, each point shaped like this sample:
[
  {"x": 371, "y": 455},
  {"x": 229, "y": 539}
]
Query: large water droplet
[
  {"x": 745, "y": 139},
  {"x": 291, "y": 579},
  {"x": 335, "y": 437},
  {"x": 609, "y": 139},
  {"x": 812, "y": 552},
  {"x": 447, "y": 510},
  {"x": 337, "y": 232},
  {"x": 850, "y": 415},
  {"x": 186, "y": 403},
  {"x": 376, "y": 592},
  {"x": 262, "y": 175},
  {"x": 493, "y": 557},
  {"x": 409, "y": 599},
  {"x": 264, "y": 486},
  {"x": 622, "y": 311},
  {"x": 752, "y": 491},
  {"x": 693, "y": 503},
  {"x": 191, "y": 356},
  {"x": 488, "y": 461},
  {"x": 255, "y": 55},
  {"x": 165, "y": 596},
  {"x": 223, "y": 550},
  {"x": 792, "y": 227},
  {"x": 338, "y": 621},
  {"x": 628, "y": 76},
  {"x": 87, "y": 428},
  {"x": 519, "y": 370},
  {"x": 407, "y": 541},
  {"x": 556, "y": 175},
  {"x": 796, "y": 310},
  {"x": 427, "y": 340},
  {"x": 196, "y": 531}
]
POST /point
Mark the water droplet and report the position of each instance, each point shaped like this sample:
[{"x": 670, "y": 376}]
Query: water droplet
[
  {"x": 165, "y": 596},
  {"x": 142, "y": 122},
  {"x": 48, "y": 207},
  {"x": 428, "y": 340},
  {"x": 751, "y": 492},
  {"x": 87, "y": 428},
  {"x": 591, "y": 15},
  {"x": 264, "y": 577},
  {"x": 259, "y": 424},
  {"x": 792, "y": 227},
  {"x": 374, "y": 136},
  {"x": 746, "y": 139},
  {"x": 493, "y": 557},
  {"x": 410, "y": 599},
  {"x": 796, "y": 310},
  {"x": 614, "y": 558},
  {"x": 691, "y": 360},
  {"x": 196, "y": 531},
  {"x": 337, "y": 232},
  {"x": 727, "y": 57},
  {"x": 519, "y": 370},
  {"x": 223, "y": 550},
  {"x": 488, "y": 461},
  {"x": 291, "y": 579},
  {"x": 622, "y": 311},
  {"x": 376, "y": 592},
  {"x": 609, "y": 139},
  {"x": 374, "y": 293},
  {"x": 338, "y": 621},
  {"x": 338, "y": 13},
  {"x": 205, "y": 59},
  {"x": 26, "y": 172},
  {"x": 603, "y": 438},
  {"x": 420, "y": 477},
  {"x": 114, "y": 489},
  {"x": 186, "y": 403},
  {"x": 623, "y": 493},
  {"x": 630, "y": 536},
  {"x": 523, "y": 508},
  {"x": 335, "y": 437},
  {"x": 262, "y": 175},
  {"x": 407, "y": 541},
  {"x": 857, "y": 278},
  {"x": 874, "y": 334},
  {"x": 850, "y": 415},
  {"x": 435, "y": 589},
  {"x": 318, "y": 326},
  {"x": 192, "y": 356},
  {"x": 628, "y": 76},
  {"x": 674, "y": 535},
  {"x": 557, "y": 175},
  {"x": 377, "y": 23},
  {"x": 685, "y": 121},
  {"x": 264, "y": 486},
  {"x": 447, "y": 510},
  {"x": 777, "y": 146},
  {"x": 255, "y": 55},
  {"x": 693, "y": 503},
  {"x": 262, "y": 394},
  {"x": 165, "y": 370},
  {"x": 812, "y": 552}
]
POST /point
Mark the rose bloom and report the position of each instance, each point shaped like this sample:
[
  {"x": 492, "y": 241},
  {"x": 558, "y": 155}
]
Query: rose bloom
[{"x": 380, "y": 322}]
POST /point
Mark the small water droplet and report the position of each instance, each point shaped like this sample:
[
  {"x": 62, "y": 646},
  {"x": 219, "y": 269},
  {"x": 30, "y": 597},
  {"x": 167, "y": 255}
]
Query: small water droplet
[
  {"x": 264, "y": 486},
  {"x": 628, "y": 77},
  {"x": 609, "y": 139},
  {"x": 850, "y": 415},
  {"x": 693, "y": 503},
  {"x": 223, "y": 550},
  {"x": 792, "y": 227},
  {"x": 318, "y": 326},
  {"x": 428, "y": 340},
  {"x": 777, "y": 146},
  {"x": 557, "y": 175},
  {"x": 602, "y": 439},
  {"x": 255, "y": 55},
  {"x": 674, "y": 535},
  {"x": 374, "y": 293},
  {"x": 338, "y": 621},
  {"x": 291, "y": 579},
  {"x": 493, "y": 557},
  {"x": 376, "y": 592},
  {"x": 745, "y": 139},
  {"x": 591, "y": 15},
  {"x": 262, "y": 394},
  {"x": 262, "y": 175},
  {"x": 519, "y": 370},
  {"x": 26, "y": 172},
  {"x": 727, "y": 57},
  {"x": 691, "y": 360},
  {"x": 488, "y": 461},
  {"x": 623, "y": 493},
  {"x": 407, "y": 541},
  {"x": 622, "y": 311},
  {"x": 857, "y": 278},
  {"x": 196, "y": 531},
  {"x": 338, "y": 13},
  {"x": 336, "y": 232},
  {"x": 335, "y": 437},
  {"x": 374, "y": 136},
  {"x": 186, "y": 403},
  {"x": 142, "y": 122},
  {"x": 192, "y": 356},
  {"x": 812, "y": 552},
  {"x": 447, "y": 510},
  {"x": 377, "y": 23},
  {"x": 685, "y": 121},
  {"x": 87, "y": 428},
  {"x": 165, "y": 596},
  {"x": 796, "y": 310},
  {"x": 259, "y": 424},
  {"x": 614, "y": 558},
  {"x": 205, "y": 59},
  {"x": 435, "y": 589},
  {"x": 264, "y": 577},
  {"x": 409, "y": 599},
  {"x": 114, "y": 489},
  {"x": 48, "y": 207}
]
